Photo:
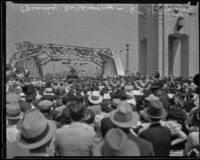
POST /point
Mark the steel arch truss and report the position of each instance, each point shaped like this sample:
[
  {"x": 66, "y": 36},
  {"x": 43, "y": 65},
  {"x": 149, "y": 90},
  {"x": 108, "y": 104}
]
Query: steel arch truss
[{"x": 44, "y": 53}]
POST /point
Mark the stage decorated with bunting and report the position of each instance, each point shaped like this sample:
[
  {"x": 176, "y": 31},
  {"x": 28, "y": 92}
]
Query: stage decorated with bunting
[{"x": 39, "y": 58}]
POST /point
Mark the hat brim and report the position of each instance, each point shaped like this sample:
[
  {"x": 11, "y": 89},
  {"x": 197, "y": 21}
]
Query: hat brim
[
  {"x": 95, "y": 101},
  {"x": 48, "y": 94},
  {"x": 15, "y": 118},
  {"x": 133, "y": 149},
  {"x": 146, "y": 114},
  {"x": 49, "y": 136},
  {"x": 131, "y": 123}
]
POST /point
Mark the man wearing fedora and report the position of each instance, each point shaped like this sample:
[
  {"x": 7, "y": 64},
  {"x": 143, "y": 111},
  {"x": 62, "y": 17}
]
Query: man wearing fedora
[
  {"x": 95, "y": 100},
  {"x": 105, "y": 123},
  {"x": 37, "y": 134},
  {"x": 13, "y": 115},
  {"x": 116, "y": 143},
  {"x": 124, "y": 118},
  {"x": 156, "y": 89},
  {"x": 46, "y": 107},
  {"x": 77, "y": 138},
  {"x": 49, "y": 94},
  {"x": 158, "y": 135}
]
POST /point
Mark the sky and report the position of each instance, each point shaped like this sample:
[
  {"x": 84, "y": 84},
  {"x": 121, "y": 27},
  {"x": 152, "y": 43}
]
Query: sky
[{"x": 72, "y": 24}]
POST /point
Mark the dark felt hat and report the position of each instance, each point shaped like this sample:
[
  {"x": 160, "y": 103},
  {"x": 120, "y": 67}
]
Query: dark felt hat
[{"x": 155, "y": 86}]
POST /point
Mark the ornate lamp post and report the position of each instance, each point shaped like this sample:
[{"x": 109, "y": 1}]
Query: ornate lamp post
[{"x": 127, "y": 57}]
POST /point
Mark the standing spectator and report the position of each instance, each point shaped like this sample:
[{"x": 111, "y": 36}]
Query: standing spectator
[
  {"x": 156, "y": 89},
  {"x": 124, "y": 118},
  {"x": 36, "y": 134},
  {"x": 116, "y": 143},
  {"x": 175, "y": 122},
  {"x": 45, "y": 107},
  {"x": 24, "y": 106},
  {"x": 61, "y": 89},
  {"x": 95, "y": 100},
  {"x": 77, "y": 138},
  {"x": 12, "y": 97},
  {"x": 159, "y": 136},
  {"x": 13, "y": 115},
  {"x": 89, "y": 117},
  {"x": 193, "y": 137},
  {"x": 157, "y": 75},
  {"x": 48, "y": 95}
]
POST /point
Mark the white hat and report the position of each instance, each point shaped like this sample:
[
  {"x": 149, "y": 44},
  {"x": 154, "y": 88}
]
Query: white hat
[
  {"x": 131, "y": 101},
  {"x": 48, "y": 91},
  {"x": 106, "y": 96},
  {"x": 95, "y": 97},
  {"x": 22, "y": 94}
]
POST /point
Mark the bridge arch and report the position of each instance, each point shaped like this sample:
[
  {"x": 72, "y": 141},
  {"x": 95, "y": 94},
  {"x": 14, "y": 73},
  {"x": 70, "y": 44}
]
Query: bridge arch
[{"x": 35, "y": 56}]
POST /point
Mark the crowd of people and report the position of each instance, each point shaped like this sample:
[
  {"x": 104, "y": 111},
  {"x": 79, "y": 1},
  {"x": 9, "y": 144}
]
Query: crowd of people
[{"x": 131, "y": 115}]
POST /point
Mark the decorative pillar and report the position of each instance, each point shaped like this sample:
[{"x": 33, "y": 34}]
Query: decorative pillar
[{"x": 127, "y": 57}]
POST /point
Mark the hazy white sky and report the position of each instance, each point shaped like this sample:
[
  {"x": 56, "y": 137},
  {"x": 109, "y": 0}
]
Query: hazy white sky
[{"x": 90, "y": 28}]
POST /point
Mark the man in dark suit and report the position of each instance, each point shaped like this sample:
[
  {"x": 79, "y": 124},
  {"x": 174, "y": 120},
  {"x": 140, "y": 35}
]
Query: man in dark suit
[
  {"x": 156, "y": 89},
  {"x": 159, "y": 136}
]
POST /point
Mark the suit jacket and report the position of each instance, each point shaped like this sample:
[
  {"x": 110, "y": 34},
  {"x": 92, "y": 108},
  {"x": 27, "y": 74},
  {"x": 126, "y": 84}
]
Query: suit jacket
[
  {"x": 75, "y": 139},
  {"x": 106, "y": 125},
  {"x": 146, "y": 147},
  {"x": 96, "y": 109},
  {"x": 165, "y": 100},
  {"x": 24, "y": 106},
  {"x": 13, "y": 150},
  {"x": 160, "y": 137}
]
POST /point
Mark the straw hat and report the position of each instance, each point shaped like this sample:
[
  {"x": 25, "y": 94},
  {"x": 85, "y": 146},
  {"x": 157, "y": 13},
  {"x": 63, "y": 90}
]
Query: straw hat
[
  {"x": 35, "y": 130},
  {"x": 12, "y": 98},
  {"x": 13, "y": 111},
  {"x": 95, "y": 97},
  {"x": 45, "y": 105}
]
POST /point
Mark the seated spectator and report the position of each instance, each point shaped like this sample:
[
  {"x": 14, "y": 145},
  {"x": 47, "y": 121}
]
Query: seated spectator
[
  {"x": 77, "y": 138},
  {"x": 116, "y": 143},
  {"x": 36, "y": 134}
]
